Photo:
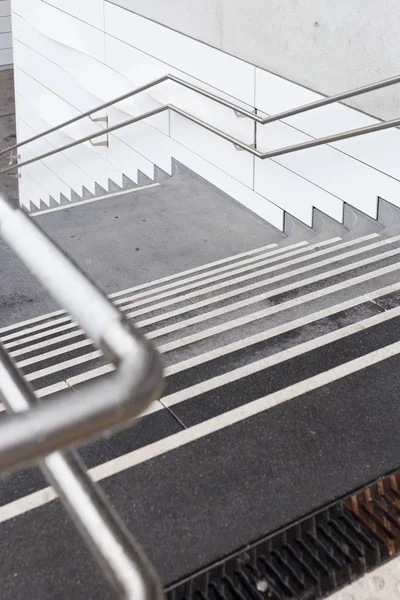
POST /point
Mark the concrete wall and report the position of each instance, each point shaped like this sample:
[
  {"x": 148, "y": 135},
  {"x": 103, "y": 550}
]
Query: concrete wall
[
  {"x": 329, "y": 46},
  {"x": 5, "y": 33},
  {"x": 71, "y": 56}
]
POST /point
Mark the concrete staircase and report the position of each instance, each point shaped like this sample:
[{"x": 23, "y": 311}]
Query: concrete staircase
[{"x": 282, "y": 367}]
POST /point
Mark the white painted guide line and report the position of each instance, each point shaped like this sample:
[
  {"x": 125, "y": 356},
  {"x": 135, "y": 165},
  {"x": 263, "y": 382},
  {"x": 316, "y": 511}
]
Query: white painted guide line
[
  {"x": 96, "y": 199},
  {"x": 262, "y": 260},
  {"x": 49, "y": 327},
  {"x": 277, "y": 358},
  {"x": 207, "y": 356},
  {"x": 242, "y": 290},
  {"x": 182, "y": 310},
  {"x": 221, "y": 311},
  {"x": 103, "y": 370},
  {"x": 65, "y": 318},
  {"x": 212, "y": 331},
  {"x": 232, "y": 277},
  {"x": 149, "y": 284},
  {"x": 254, "y": 299},
  {"x": 209, "y": 301},
  {"x": 182, "y": 438},
  {"x": 275, "y": 331}
]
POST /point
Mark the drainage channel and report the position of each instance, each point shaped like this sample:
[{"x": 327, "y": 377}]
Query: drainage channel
[{"x": 312, "y": 558}]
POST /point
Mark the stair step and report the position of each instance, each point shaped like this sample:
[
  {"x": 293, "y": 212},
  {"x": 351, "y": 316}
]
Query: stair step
[
  {"x": 69, "y": 357},
  {"x": 281, "y": 394},
  {"x": 291, "y": 451}
]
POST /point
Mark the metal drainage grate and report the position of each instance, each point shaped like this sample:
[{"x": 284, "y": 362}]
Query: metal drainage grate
[{"x": 311, "y": 559}]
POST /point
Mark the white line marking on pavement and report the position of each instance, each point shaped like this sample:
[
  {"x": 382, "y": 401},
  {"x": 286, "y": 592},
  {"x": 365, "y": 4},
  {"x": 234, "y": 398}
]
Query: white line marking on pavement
[
  {"x": 277, "y": 358},
  {"x": 213, "y": 300},
  {"x": 149, "y": 284},
  {"x": 235, "y": 323},
  {"x": 187, "y": 436}
]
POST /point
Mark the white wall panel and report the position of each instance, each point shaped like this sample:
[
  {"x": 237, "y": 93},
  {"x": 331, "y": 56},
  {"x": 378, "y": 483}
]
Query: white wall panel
[
  {"x": 62, "y": 27},
  {"x": 50, "y": 107},
  {"x": 89, "y": 11},
  {"x": 330, "y": 46},
  {"x": 140, "y": 68},
  {"x": 275, "y": 94},
  {"x": 39, "y": 171},
  {"x": 219, "y": 152},
  {"x": 33, "y": 190},
  {"x": 358, "y": 184},
  {"x": 124, "y": 158},
  {"x": 293, "y": 194},
  {"x": 71, "y": 171},
  {"x": 200, "y": 19},
  {"x": 220, "y": 70},
  {"x": 147, "y": 141}
]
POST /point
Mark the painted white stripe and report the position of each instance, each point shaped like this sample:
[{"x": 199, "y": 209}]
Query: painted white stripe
[
  {"x": 231, "y": 294},
  {"x": 84, "y": 376},
  {"x": 92, "y": 374},
  {"x": 196, "y": 282},
  {"x": 395, "y": 287},
  {"x": 99, "y": 371},
  {"x": 52, "y": 389},
  {"x": 62, "y": 366},
  {"x": 230, "y": 324},
  {"x": 220, "y": 311},
  {"x": 261, "y": 314},
  {"x": 187, "y": 436},
  {"x": 253, "y": 275},
  {"x": 253, "y": 300},
  {"x": 277, "y": 358},
  {"x": 67, "y": 319},
  {"x": 45, "y": 343},
  {"x": 49, "y": 327},
  {"x": 19, "y": 335},
  {"x": 53, "y": 353},
  {"x": 146, "y": 285},
  {"x": 213, "y": 354},
  {"x": 201, "y": 359},
  {"x": 96, "y": 199},
  {"x": 47, "y": 391}
]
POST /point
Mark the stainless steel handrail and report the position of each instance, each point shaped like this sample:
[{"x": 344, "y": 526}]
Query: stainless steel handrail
[
  {"x": 251, "y": 115},
  {"x": 120, "y": 558},
  {"x": 73, "y": 419},
  {"x": 226, "y": 136},
  {"x": 34, "y": 431}
]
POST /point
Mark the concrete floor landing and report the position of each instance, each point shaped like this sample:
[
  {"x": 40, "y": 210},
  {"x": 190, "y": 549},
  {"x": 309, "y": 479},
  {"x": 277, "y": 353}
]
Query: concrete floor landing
[{"x": 128, "y": 240}]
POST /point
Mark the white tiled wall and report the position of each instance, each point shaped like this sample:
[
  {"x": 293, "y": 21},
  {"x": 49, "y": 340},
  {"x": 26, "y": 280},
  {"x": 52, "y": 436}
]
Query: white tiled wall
[
  {"x": 73, "y": 55},
  {"x": 6, "y": 57}
]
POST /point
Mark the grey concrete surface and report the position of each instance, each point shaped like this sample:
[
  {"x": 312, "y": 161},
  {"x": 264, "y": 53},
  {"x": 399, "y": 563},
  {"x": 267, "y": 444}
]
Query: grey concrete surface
[
  {"x": 327, "y": 46},
  {"x": 7, "y": 127},
  {"x": 125, "y": 241}
]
